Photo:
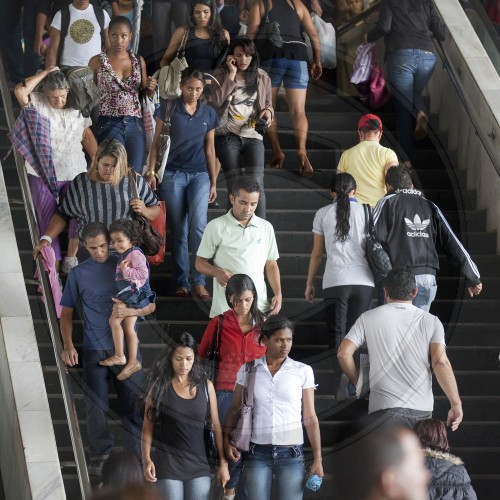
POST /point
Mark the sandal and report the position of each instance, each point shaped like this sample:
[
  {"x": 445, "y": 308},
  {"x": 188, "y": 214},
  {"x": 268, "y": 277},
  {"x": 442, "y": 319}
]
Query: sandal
[
  {"x": 306, "y": 169},
  {"x": 114, "y": 361},
  {"x": 421, "y": 126},
  {"x": 129, "y": 370},
  {"x": 181, "y": 292}
]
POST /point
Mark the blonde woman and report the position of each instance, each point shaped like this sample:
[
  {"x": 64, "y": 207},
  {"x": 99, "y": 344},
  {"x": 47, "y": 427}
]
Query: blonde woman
[{"x": 103, "y": 194}]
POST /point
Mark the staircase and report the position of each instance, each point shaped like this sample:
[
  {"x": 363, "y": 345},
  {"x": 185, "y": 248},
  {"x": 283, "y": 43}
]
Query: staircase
[{"x": 471, "y": 325}]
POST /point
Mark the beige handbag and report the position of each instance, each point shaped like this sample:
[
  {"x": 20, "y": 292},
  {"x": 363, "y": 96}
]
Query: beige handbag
[{"x": 169, "y": 77}]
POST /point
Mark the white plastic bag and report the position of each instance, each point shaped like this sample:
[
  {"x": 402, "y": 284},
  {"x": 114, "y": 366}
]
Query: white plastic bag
[{"x": 326, "y": 34}]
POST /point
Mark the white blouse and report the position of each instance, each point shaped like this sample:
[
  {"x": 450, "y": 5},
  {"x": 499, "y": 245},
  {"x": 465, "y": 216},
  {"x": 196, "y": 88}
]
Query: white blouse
[
  {"x": 66, "y": 133},
  {"x": 277, "y": 406}
]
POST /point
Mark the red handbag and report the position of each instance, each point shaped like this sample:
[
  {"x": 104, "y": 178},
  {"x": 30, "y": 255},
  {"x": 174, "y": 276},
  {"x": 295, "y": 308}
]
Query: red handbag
[{"x": 160, "y": 224}]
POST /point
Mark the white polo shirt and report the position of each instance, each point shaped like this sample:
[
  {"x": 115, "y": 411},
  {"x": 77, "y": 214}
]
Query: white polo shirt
[
  {"x": 277, "y": 404},
  {"x": 239, "y": 249}
]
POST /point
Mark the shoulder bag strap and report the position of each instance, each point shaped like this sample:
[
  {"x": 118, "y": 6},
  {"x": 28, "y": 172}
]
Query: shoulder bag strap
[
  {"x": 266, "y": 14},
  {"x": 133, "y": 185},
  {"x": 182, "y": 46},
  {"x": 368, "y": 218},
  {"x": 250, "y": 384}
]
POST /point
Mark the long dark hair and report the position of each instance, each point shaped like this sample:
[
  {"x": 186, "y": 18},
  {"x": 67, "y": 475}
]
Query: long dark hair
[
  {"x": 342, "y": 184},
  {"x": 239, "y": 283},
  {"x": 161, "y": 375},
  {"x": 251, "y": 73},
  {"x": 214, "y": 28}
]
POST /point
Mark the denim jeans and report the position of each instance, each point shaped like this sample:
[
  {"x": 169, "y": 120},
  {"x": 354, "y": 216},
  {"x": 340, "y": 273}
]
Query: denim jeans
[
  {"x": 186, "y": 201},
  {"x": 129, "y": 131},
  {"x": 398, "y": 416},
  {"x": 96, "y": 379},
  {"x": 235, "y": 153},
  {"x": 224, "y": 400},
  {"x": 192, "y": 489},
  {"x": 408, "y": 72},
  {"x": 287, "y": 464},
  {"x": 427, "y": 289}
]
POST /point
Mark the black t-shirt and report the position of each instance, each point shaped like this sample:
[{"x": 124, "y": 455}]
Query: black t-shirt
[{"x": 180, "y": 446}]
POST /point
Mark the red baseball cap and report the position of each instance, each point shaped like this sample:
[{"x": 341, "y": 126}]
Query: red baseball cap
[{"x": 371, "y": 122}]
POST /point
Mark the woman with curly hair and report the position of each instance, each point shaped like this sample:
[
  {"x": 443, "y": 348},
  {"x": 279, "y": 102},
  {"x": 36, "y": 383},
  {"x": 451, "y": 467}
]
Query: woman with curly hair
[{"x": 178, "y": 396}]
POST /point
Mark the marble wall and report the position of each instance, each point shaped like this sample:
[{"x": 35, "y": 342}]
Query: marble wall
[
  {"x": 474, "y": 136},
  {"x": 28, "y": 454}
]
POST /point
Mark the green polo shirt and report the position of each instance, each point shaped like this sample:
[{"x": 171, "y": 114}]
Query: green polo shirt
[{"x": 239, "y": 249}]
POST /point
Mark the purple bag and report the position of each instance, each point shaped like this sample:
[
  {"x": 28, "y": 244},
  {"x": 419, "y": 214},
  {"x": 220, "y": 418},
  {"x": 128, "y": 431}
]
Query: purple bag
[
  {"x": 241, "y": 434},
  {"x": 379, "y": 93},
  {"x": 362, "y": 67}
]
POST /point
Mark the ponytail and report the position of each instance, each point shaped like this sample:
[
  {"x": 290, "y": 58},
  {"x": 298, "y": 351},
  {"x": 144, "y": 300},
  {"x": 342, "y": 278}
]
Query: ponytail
[{"x": 342, "y": 184}]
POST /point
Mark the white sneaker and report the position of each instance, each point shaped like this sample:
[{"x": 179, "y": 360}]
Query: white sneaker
[{"x": 68, "y": 264}]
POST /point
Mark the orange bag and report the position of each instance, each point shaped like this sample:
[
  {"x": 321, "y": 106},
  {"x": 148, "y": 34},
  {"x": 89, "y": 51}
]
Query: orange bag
[{"x": 160, "y": 224}]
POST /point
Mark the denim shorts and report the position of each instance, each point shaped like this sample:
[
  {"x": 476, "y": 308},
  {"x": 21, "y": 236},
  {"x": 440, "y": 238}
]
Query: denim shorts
[{"x": 292, "y": 73}]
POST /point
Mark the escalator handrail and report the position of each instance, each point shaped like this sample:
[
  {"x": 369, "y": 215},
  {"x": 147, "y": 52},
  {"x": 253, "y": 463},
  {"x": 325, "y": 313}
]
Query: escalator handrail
[
  {"x": 53, "y": 323},
  {"x": 488, "y": 25},
  {"x": 352, "y": 23}
]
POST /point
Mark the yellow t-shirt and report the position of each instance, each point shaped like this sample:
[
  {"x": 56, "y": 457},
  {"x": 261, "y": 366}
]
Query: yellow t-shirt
[{"x": 366, "y": 163}]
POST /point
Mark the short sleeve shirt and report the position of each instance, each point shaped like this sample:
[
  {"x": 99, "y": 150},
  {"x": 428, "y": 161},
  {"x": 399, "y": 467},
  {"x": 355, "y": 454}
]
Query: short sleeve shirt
[
  {"x": 239, "y": 249},
  {"x": 346, "y": 262},
  {"x": 66, "y": 134},
  {"x": 83, "y": 39},
  {"x": 398, "y": 336},
  {"x": 277, "y": 404},
  {"x": 187, "y": 136},
  {"x": 366, "y": 163},
  {"x": 93, "y": 284}
]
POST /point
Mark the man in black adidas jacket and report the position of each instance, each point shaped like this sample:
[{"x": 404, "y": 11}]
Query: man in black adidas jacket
[{"x": 409, "y": 227}]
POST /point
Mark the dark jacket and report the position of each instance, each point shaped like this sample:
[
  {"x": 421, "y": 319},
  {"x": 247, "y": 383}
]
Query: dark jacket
[
  {"x": 409, "y": 227},
  {"x": 405, "y": 24},
  {"x": 450, "y": 480}
]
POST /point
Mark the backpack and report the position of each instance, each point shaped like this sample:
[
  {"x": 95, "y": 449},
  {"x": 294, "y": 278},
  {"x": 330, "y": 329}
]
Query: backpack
[
  {"x": 83, "y": 92},
  {"x": 65, "y": 19}
]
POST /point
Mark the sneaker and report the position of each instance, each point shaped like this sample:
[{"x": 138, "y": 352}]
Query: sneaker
[
  {"x": 94, "y": 467},
  {"x": 68, "y": 264}
]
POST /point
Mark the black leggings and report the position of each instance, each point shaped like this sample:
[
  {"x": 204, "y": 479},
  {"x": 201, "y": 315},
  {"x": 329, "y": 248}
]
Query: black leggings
[{"x": 343, "y": 306}]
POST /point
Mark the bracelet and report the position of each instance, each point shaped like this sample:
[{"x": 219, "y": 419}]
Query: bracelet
[
  {"x": 47, "y": 238},
  {"x": 150, "y": 172}
]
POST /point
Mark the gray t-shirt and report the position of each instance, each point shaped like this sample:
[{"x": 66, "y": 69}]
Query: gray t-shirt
[{"x": 398, "y": 336}]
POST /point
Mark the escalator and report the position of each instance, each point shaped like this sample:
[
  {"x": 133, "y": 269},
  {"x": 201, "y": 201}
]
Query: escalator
[{"x": 471, "y": 327}]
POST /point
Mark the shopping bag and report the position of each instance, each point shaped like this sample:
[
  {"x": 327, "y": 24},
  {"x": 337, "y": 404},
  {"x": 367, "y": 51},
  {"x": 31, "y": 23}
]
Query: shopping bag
[
  {"x": 379, "y": 91},
  {"x": 362, "y": 67},
  {"x": 148, "y": 109},
  {"x": 326, "y": 33},
  {"x": 160, "y": 224}
]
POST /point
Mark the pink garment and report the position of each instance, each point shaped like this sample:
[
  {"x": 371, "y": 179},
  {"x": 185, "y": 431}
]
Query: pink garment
[
  {"x": 137, "y": 271},
  {"x": 49, "y": 264}
]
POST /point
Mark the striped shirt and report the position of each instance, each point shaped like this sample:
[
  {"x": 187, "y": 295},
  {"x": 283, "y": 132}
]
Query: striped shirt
[{"x": 90, "y": 201}]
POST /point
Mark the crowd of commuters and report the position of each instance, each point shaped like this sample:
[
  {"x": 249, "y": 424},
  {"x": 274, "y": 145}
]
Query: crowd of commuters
[{"x": 226, "y": 104}]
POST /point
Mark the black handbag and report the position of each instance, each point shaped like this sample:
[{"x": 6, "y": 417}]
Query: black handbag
[
  {"x": 269, "y": 31},
  {"x": 152, "y": 240},
  {"x": 212, "y": 356},
  {"x": 208, "y": 433},
  {"x": 377, "y": 257}
]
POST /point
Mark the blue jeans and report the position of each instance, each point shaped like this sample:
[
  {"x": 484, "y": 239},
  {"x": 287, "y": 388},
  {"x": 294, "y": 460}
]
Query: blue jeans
[
  {"x": 408, "y": 72},
  {"x": 96, "y": 379},
  {"x": 234, "y": 153},
  {"x": 398, "y": 416},
  {"x": 186, "y": 201},
  {"x": 427, "y": 289},
  {"x": 192, "y": 489},
  {"x": 129, "y": 131},
  {"x": 224, "y": 400},
  {"x": 287, "y": 464}
]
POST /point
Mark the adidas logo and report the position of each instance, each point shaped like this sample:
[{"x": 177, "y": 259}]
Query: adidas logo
[{"x": 418, "y": 227}]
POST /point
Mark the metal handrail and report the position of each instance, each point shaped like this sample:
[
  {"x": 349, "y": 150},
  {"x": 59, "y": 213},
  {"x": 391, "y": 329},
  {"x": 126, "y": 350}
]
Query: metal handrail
[
  {"x": 488, "y": 25},
  {"x": 69, "y": 403}
]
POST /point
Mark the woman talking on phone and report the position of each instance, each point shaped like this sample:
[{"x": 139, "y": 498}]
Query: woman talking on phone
[{"x": 242, "y": 93}]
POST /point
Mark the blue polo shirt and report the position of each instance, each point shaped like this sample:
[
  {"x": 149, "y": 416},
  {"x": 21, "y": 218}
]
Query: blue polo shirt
[
  {"x": 93, "y": 283},
  {"x": 187, "y": 135}
]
